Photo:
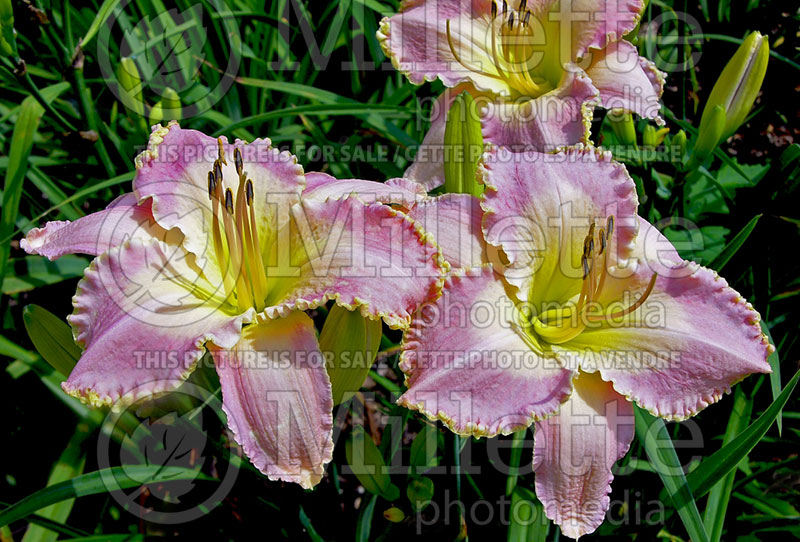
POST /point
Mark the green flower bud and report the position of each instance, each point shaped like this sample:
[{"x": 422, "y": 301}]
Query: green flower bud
[
  {"x": 738, "y": 85},
  {"x": 156, "y": 113},
  {"x": 394, "y": 515},
  {"x": 649, "y": 137},
  {"x": 171, "y": 104},
  {"x": 622, "y": 125},
  {"x": 679, "y": 140},
  {"x": 8, "y": 36},
  {"x": 349, "y": 342},
  {"x": 463, "y": 147},
  {"x": 130, "y": 85},
  {"x": 710, "y": 135}
]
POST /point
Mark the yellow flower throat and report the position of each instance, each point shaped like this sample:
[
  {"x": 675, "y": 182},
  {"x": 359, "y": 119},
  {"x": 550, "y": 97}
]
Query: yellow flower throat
[
  {"x": 558, "y": 326},
  {"x": 513, "y": 51}
]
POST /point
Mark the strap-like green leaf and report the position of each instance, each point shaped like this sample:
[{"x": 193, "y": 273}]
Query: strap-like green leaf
[
  {"x": 52, "y": 338},
  {"x": 734, "y": 245},
  {"x": 721, "y": 462},
  {"x": 652, "y": 432},
  {"x": 94, "y": 483}
]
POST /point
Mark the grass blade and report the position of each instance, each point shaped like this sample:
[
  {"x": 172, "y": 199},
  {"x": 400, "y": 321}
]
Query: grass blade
[
  {"x": 721, "y": 462},
  {"x": 94, "y": 483},
  {"x": 717, "y": 504},
  {"x": 69, "y": 465},
  {"x": 774, "y": 361},
  {"x": 21, "y": 143},
  {"x": 653, "y": 433},
  {"x": 736, "y": 243}
]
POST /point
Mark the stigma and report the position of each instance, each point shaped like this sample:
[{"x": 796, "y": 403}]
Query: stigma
[
  {"x": 558, "y": 326},
  {"x": 235, "y": 234},
  {"x": 513, "y": 52}
]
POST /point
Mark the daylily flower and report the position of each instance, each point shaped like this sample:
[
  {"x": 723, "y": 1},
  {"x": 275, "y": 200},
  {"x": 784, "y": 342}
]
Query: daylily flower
[
  {"x": 535, "y": 69},
  {"x": 217, "y": 249},
  {"x": 584, "y": 309},
  {"x": 452, "y": 220}
]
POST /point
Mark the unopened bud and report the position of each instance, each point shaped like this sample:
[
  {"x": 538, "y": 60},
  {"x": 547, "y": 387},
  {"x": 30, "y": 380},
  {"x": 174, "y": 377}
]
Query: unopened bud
[
  {"x": 708, "y": 138},
  {"x": 623, "y": 127},
  {"x": 738, "y": 85},
  {"x": 463, "y": 147},
  {"x": 8, "y": 36},
  {"x": 349, "y": 342},
  {"x": 130, "y": 85}
]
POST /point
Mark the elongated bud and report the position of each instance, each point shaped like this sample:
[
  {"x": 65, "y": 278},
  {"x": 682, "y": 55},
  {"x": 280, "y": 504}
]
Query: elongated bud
[
  {"x": 649, "y": 138},
  {"x": 8, "y": 36},
  {"x": 738, "y": 85},
  {"x": 130, "y": 85},
  {"x": 349, "y": 342},
  {"x": 622, "y": 125},
  {"x": 679, "y": 141},
  {"x": 171, "y": 103},
  {"x": 463, "y": 147},
  {"x": 708, "y": 138}
]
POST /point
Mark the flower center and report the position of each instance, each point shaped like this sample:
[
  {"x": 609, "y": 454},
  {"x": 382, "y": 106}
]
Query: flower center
[
  {"x": 557, "y": 326},
  {"x": 235, "y": 235},
  {"x": 513, "y": 50}
]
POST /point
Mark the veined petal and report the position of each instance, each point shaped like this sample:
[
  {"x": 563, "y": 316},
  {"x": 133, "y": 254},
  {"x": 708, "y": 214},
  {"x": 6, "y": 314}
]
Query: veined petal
[
  {"x": 561, "y": 117},
  {"x": 626, "y": 80},
  {"x": 361, "y": 255},
  {"x": 401, "y": 192},
  {"x": 143, "y": 314},
  {"x": 173, "y": 172},
  {"x": 468, "y": 366},
  {"x": 691, "y": 340},
  {"x": 454, "y": 220},
  {"x": 593, "y": 24},
  {"x": 122, "y": 220},
  {"x": 277, "y": 397},
  {"x": 416, "y": 42},
  {"x": 575, "y": 450},
  {"x": 538, "y": 210}
]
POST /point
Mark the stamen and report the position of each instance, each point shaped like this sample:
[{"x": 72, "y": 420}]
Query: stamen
[
  {"x": 221, "y": 151},
  {"x": 212, "y": 185},
  {"x": 626, "y": 311},
  {"x": 217, "y": 172},
  {"x": 229, "y": 201},
  {"x": 526, "y": 18},
  {"x": 505, "y": 8},
  {"x": 248, "y": 190},
  {"x": 494, "y": 9},
  {"x": 523, "y": 5},
  {"x": 259, "y": 275},
  {"x": 601, "y": 235},
  {"x": 237, "y": 160},
  {"x": 610, "y": 226},
  {"x": 511, "y": 21},
  {"x": 458, "y": 58}
]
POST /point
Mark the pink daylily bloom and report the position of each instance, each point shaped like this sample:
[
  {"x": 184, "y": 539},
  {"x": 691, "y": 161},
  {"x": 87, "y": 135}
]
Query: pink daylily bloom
[
  {"x": 581, "y": 309},
  {"x": 218, "y": 250},
  {"x": 453, "y": 220},
  {"x": 535, "y": 69}
]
